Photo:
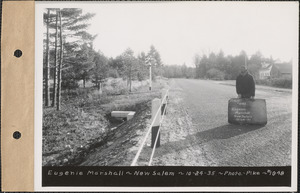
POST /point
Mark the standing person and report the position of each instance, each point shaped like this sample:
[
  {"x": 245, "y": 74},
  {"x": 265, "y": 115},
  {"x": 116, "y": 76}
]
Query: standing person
[{"x": 245, "y": 85}]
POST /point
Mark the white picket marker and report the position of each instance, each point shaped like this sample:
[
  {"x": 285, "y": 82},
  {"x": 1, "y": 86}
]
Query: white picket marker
[
  {"x": 164, "y": 100},
  {"x": 156, "y": 105}
]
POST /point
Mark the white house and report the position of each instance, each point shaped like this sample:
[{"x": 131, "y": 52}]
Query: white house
[{"x": 277, "y": 70}]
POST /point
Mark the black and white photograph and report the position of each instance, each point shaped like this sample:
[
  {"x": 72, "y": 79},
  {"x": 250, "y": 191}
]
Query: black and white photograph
[{"x": 201, "y": 89}]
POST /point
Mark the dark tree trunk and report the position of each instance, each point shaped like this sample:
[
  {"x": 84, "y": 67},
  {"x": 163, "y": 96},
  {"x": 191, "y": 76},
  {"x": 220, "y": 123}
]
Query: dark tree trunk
[
  {"x": 130, "y": 84},
  {"x": 99, "y": 85},
  {"x": 84, "y": 83},
  {"x": 60, "y": 64},
  {"x": 55, "y": 63},
  {"x": 47, "y": 87}
]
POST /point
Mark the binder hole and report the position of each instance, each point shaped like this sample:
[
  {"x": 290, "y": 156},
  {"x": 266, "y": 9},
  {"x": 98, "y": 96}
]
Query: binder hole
[
  {"x": 18, "y": 53},
  {"x": 17, "y": 135}
]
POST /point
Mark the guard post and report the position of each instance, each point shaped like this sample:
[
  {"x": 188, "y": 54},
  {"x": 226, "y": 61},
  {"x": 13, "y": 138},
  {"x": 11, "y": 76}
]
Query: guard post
[
  {"x": 164, "y": 102},
  {"x": 156, "y": 122}
]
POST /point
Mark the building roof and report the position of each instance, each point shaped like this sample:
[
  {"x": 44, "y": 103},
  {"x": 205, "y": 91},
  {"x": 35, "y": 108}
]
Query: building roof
[
  {"x": 266, "y": 66},
  {"x": 285, "y": 68}
]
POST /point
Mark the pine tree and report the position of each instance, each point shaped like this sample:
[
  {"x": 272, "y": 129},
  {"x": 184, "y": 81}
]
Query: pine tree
[
  {"x": 83, "y": 63},
  {"x": 130, "y": 66},
  {"x": 78, "y": 59},
  {"x": 72, "y": 26},
  {"x": 153, "y": 59},
  {"x": 100, "y": 70}
]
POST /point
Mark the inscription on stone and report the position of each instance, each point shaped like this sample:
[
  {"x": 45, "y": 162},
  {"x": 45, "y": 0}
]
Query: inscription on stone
[{"x": 247, "y": 111}]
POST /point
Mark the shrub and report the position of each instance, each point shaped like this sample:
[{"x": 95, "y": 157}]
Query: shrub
[
  {"x": 282, "y": 82},
  {"x": 276, "y": 82},
  {"x": 266, "y": 82},
  {"x": 215, "y": 74},
  {"x": 69, "y": 84},
  {"x": 113, "y": 73}
]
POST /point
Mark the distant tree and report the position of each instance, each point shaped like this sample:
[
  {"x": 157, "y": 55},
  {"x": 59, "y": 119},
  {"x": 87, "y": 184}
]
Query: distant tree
[
  {"x": 142, "y": 69},
  {"x": 215, "y": 74},
  {"x": 83, "y": 63},
  {"x": 130, "y": 64},
  {"x": 112, "y": 71},
  {"x": 100, "y": 71},
  {"x": 237, "y": 62},
  {"x": 178, "y": 71},
  {"x": 203, "y": 67},
  {"x": 184, "y": 70},
  {"x": 118, "y": 65},
  {"x": 197, "y": 60},
  {"x": 153, "y": 58},
  {"x": 212, "y": 61},
  {"x": 191, "y": 72},
  {"x": 254, "y": 64},
  {"x": 219, "y": 66},
  {"x": 224, "y": 64}
]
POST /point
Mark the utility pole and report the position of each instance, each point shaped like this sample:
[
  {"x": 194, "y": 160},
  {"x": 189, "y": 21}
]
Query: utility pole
[
  {"x": 150, "y": 76},
  {"x": 149, "y": 61}
]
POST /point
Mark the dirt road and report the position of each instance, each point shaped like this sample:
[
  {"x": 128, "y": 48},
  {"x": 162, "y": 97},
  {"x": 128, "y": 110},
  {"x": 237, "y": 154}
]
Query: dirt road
[{"x": 196, "y": 132}]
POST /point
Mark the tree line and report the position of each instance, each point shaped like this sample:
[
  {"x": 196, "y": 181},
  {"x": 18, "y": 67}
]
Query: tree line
[
  {"x": 69, "y": 56},
  {"x": 217, "y": 66},
  {"x": 178, "y": 71}
]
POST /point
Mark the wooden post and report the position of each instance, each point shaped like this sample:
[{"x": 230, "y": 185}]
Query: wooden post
[
  {"x": 155, "y": 107},
  {"x": 164, "y": 102}
]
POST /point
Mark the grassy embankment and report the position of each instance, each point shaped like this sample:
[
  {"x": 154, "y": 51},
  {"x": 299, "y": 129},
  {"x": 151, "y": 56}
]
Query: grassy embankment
[
  {"x": 84, "y": 118},
  {"x": 276, "y": 82}
]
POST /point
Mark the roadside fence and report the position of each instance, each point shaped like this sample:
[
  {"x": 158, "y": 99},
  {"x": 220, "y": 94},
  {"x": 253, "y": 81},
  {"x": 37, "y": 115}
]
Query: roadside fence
[{"x": 158, "y": 112}]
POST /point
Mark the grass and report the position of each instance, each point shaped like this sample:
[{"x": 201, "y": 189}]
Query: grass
[{"x": 276, "y": 82}]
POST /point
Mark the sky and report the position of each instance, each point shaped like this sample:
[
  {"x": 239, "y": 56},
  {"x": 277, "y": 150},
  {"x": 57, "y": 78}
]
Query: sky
[{"x": 179, "y": 30}]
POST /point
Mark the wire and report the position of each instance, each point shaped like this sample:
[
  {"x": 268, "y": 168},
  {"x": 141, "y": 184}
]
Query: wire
[
  {"x": 146, "y": 136},
  {"x": 156, "y": 139}
]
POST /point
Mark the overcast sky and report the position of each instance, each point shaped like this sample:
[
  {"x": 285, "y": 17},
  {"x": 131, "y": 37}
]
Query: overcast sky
[{"x": 179, "y": 30}]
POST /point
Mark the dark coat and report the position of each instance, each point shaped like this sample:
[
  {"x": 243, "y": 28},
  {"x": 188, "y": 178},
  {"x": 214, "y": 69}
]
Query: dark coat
[{"x": 245, "y": 85}]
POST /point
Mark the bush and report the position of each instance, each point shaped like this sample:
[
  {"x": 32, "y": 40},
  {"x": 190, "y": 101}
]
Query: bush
[
  {"x": 276, "y": 82},
  {"x": 69, "y": 84},
  {"x": 266, "y": 82},
  {"x": 113, "y": 73},
  {"x": 282, "y": 82},
  {"x": 215, "y": 74}
]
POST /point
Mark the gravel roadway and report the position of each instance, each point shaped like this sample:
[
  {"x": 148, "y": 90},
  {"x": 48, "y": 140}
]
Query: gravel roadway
[{"x": 196, "y": 131}]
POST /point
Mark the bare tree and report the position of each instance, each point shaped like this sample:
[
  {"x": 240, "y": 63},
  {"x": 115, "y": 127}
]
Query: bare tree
[
  {"x": 55, "y": 61},
  {"x": 60, "y": 64},
  {"x": 47, "y": 73}
]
